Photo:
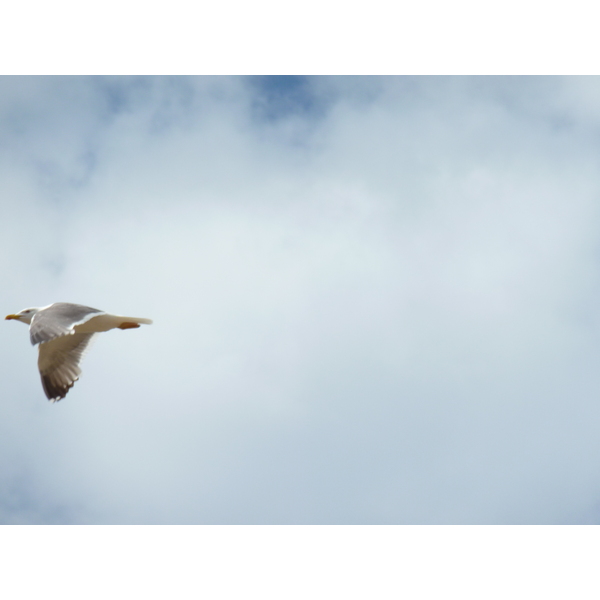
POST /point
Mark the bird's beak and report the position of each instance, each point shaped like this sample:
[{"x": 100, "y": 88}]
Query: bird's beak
[{"x": 9, "y": 317}]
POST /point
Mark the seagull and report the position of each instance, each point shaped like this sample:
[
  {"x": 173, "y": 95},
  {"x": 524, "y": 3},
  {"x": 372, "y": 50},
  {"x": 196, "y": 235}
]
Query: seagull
[{"x": 63, "y": 332}]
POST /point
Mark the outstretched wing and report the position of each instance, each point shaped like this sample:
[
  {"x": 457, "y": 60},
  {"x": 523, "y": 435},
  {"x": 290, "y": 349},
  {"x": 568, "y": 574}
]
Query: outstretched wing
[
  {"x": 59, "y": 319},
  {"x": 58, "y": 362}
]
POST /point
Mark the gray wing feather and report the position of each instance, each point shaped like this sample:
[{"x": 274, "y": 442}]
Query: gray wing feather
[
  {"x": 57, "y": 320},
  {"x": 58, "y": 363}
]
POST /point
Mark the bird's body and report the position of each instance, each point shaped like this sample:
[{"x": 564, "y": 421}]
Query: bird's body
[{"x": 63, "y": 332}]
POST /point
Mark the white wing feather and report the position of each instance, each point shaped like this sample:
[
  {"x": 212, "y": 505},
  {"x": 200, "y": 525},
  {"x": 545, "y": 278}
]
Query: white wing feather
[{"x": 58, "y": 362}]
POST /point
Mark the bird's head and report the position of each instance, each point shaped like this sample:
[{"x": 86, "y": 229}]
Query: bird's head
[{"x": 24, "y": 316}]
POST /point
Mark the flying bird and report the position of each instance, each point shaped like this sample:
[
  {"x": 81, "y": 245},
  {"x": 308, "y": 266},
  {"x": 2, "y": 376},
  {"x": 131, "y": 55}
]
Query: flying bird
[{"x": 63, "y": 332}]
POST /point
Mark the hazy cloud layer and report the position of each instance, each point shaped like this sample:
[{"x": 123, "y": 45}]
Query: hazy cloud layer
[{"x": 375, "y": 300}]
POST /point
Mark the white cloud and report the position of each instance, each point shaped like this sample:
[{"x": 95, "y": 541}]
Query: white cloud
[{"x": 380, "y": 307}]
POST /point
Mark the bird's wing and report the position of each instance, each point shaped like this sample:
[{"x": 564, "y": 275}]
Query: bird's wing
[
  {"x": 59, "y": 319},
  {"x": 58, "y": 362}
]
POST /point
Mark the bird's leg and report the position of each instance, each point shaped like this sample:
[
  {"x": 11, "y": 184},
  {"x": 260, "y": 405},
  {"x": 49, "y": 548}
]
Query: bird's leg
[{"x": 128, "y": 325}]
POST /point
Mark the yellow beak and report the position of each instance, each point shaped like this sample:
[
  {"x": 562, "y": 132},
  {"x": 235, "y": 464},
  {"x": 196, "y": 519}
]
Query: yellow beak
[{"x": 9, "y": 317}]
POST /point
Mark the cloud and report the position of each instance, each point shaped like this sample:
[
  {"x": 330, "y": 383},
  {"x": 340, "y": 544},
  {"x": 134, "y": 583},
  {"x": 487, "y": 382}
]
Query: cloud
[{"x": 374, "y": 299}]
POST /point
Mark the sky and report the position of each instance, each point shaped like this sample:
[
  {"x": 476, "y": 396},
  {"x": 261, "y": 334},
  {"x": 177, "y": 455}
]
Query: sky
[{"x": 375, "y": 299}]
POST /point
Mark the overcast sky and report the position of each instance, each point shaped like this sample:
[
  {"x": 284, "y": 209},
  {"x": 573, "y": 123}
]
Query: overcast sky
[{"x": 375, "y": 300}]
